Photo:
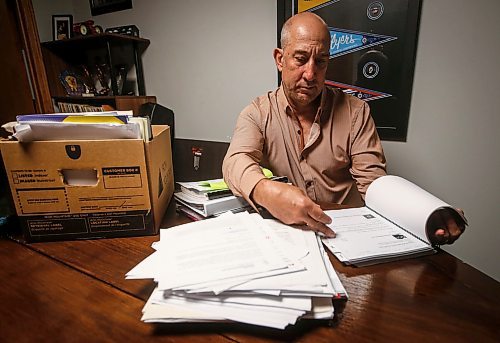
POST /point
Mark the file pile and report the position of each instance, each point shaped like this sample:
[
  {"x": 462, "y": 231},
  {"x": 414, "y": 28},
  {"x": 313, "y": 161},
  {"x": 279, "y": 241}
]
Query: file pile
[
  {"x": 201, "y": 199},
  {"x": 238, "y": 267},
  {"x": 79, "y": 126}
]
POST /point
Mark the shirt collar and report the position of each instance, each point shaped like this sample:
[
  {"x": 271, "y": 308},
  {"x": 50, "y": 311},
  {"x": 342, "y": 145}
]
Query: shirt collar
[
  {"x": 285, "y": 105},
  {"x": 283, "y": 101}
]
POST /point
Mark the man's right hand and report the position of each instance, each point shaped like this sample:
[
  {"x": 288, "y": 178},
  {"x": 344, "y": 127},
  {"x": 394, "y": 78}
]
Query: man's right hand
[{"x": 291, "y": 205}]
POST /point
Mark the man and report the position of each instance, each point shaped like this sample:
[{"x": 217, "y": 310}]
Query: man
[{"x": 324, "y": 140}]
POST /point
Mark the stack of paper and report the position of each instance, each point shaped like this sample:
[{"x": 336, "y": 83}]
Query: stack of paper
[
  {"x": 392, "y": 225},
  {"x": 239, "y": 267},
  {"x": 207, "y": 208},
  {"x": 79, "y": 126},
  {"x": 205, "y": 190},
  {"x": 202, "y": 199}
]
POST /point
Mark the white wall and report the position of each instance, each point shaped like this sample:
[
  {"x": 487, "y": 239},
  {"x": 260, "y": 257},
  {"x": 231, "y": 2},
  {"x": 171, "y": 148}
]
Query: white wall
[
  {"x": 44, "y": 10},
  {"x": 453, "y": 146},
  {"x": 208, "y": 59}
]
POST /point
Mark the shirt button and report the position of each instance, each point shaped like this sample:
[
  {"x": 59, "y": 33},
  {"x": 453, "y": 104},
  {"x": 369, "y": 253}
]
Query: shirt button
[
  {"x": 298, "y": 132},
  {"x": 309, "y": 183}
]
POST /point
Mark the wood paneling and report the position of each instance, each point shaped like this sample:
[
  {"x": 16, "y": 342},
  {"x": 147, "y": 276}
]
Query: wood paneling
[
  {"x": 36, "y": 67},
  {"x": 16, "y": 96},
  {"x": 125, "y": 103}
]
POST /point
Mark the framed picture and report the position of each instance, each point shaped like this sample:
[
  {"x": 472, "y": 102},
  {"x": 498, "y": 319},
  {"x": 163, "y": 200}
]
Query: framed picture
[
  {"x": 71, "y": 83},
  {"x": 106, "y": 6},
  {"x": 62, "y": 25},
  {"x": 372, "y": 53}
]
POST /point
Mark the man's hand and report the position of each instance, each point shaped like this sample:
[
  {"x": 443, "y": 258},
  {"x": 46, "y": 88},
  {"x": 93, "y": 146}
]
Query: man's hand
[
  {"x": 444, "y": 226},
  {"x": 290, "y": 205}
]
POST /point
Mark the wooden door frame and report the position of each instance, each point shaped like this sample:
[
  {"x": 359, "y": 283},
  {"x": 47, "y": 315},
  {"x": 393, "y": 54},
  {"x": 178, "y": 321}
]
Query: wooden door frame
[{"x": 33, "y": 56}]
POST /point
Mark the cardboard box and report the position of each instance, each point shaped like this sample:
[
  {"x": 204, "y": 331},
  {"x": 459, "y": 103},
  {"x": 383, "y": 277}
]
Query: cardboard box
[{"x": 90, "y": 189}]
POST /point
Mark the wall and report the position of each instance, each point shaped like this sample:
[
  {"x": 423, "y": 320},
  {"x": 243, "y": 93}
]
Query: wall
[
  {"x": 208, "y": 59},
  {"x": 44, "y": 11},
  {"x": 453, "y": 146},
  {"x": 203, "y": 58}
]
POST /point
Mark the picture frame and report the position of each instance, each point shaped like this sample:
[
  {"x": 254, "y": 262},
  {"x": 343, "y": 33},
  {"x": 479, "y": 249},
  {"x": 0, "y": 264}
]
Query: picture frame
[
  {"x": 62, "y": 26},
  {"x": 98, "y": 7},
  {"x": 72, "y": 83},
  {"x": 372, "y": 53}
]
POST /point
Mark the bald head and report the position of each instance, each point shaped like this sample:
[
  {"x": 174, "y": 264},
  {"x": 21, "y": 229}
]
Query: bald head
[
  {"x": 303, "y": 60},
  {"x": 302, "y": 24}
]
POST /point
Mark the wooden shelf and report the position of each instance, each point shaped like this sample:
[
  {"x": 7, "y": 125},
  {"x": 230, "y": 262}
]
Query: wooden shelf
[
  {"x": 108, "y": 49},
  {"x": 121, "y": 103},
  {"x": 92, "y": 41},
  {"x": 96, "y": 97}
]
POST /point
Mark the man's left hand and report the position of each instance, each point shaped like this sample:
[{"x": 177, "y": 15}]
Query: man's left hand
[{"x": 444, "y": 226}]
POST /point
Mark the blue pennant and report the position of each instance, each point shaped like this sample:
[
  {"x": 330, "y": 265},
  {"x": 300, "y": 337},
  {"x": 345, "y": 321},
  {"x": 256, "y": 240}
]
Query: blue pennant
[{"x": 344, "y": 42}]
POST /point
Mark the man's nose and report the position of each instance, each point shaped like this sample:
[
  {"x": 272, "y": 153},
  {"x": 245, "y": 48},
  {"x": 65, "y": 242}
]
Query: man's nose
[{"x": 309, "y": 71}]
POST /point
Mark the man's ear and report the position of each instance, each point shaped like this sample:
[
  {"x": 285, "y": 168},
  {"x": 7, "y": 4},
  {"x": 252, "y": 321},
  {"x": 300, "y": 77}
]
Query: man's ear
[{"x": 278, "y": 58}]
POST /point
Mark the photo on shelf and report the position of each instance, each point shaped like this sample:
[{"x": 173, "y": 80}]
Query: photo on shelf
[
  {"x": 72, "y": 83},
  {"x": 62, "y": 25}
]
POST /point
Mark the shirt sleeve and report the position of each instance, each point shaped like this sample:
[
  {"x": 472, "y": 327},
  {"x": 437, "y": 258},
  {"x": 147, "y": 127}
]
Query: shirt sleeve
[
  {"x": 367, "y": 156},
  {"x": 241, "y": 165}
]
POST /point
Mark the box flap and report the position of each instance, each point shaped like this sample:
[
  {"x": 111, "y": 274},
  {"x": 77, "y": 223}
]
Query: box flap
[{"x": 160, "y": 171}]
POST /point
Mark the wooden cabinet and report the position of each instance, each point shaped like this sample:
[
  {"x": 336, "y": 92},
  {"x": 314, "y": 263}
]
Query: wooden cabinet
[{"x": 119, "y": 56}]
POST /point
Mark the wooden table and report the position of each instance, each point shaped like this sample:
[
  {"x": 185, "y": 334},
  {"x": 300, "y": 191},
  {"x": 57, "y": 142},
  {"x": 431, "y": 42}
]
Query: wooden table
[{"x": 76, "y": 291}]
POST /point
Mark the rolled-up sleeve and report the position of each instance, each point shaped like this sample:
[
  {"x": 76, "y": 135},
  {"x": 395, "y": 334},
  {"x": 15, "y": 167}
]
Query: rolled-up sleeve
[
  {"x": 241, "y": 165},
  {"x": 367, "y": 156}
]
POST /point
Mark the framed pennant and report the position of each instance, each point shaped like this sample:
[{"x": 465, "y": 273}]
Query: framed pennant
[{"x": 372, "y": 53}]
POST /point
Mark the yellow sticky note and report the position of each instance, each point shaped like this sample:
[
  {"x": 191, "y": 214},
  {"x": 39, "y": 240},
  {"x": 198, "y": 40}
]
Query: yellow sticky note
[
  {"x": 220, "y": 184},
  {"x": 267, "y": 172},
  {"x": 215, "y": 185}
]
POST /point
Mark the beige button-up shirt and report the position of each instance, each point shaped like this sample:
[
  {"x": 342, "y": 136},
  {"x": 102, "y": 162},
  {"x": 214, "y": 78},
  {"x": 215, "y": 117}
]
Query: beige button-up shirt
[{"x": 338, "y": 161}]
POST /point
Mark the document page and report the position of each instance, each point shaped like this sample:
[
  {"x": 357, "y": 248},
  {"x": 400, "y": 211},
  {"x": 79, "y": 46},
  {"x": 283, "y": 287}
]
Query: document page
[
  {"x": 313, "y": 281},
  {"x": 215, "y": 250},
  {"x": 403, "y": 203},
  {"x": 393, "y": 223},
  {"x": 362, "y": 234}
]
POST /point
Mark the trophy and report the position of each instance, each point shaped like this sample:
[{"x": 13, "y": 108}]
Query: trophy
[
  {"x": 121, "y": 75},
  {"x": 87, "y": 80},
  {"x": 103, "y": 76}
]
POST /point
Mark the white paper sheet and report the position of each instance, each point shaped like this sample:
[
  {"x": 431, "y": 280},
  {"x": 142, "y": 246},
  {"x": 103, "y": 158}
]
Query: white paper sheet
[
  {"x": 216, "y": 249},
  {"x": 362, "y": 233},
  {"x": 69, "y": 131},
  {"x": 403, "y": 203},
  {"x": 314, "y": 280},
  {"x": 251, "y": 314}
]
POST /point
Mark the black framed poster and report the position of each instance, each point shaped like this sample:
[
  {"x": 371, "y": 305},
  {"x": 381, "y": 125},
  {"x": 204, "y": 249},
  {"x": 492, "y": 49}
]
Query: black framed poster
[
  {"x": 372, "y": 53},
  {"x": 98, "y": 7}
]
